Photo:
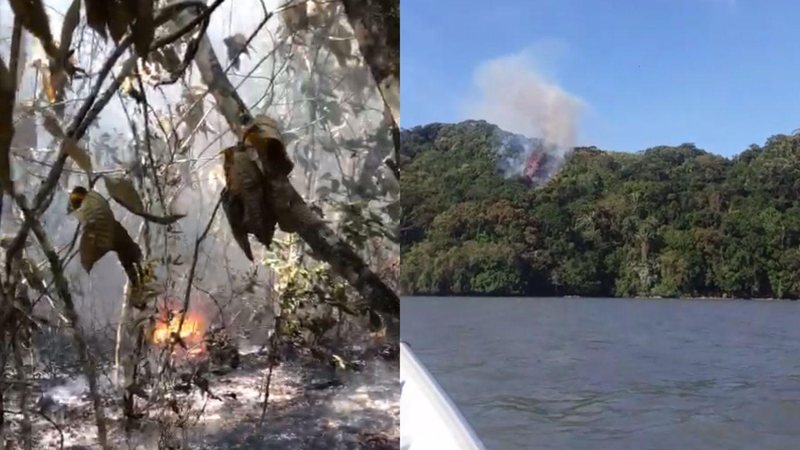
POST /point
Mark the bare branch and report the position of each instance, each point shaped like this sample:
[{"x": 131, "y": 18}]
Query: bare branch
[{"x": 71, "y": 314}]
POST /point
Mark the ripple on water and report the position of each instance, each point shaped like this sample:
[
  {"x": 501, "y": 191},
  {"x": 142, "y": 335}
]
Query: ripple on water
[{"x": 610, "y": 374}]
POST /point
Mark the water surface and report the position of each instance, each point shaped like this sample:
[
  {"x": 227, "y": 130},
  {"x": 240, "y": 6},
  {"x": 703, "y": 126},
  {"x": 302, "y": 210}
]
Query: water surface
[{"x": 615, "y": 373}]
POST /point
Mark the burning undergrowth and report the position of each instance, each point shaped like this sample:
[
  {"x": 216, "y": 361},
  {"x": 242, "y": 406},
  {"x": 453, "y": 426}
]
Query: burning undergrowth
[
  {"x": 183, "y": 333},
  {"x": 203, "y": 384}
]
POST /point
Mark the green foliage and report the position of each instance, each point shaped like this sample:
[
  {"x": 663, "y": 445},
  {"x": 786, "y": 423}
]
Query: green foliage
[
  {"x": 667, "y": 221},
  {"x": 309, "y": 300}
]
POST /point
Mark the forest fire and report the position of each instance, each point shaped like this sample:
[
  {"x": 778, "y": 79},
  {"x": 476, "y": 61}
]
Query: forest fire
[
  {"x": 189, "y": 334},
  {"x": 539, "y": 166},
  {"x": 532, "y": 164}
]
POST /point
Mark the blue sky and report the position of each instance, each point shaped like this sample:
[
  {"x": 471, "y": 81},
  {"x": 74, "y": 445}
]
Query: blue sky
[{"x": 723, "y": 74}]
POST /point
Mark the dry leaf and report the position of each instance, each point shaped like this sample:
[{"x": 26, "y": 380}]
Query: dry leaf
[
  {"x": 78, "y": 154},
  {"x": 236, "y": 45},
  {"x": 52, "y": 125},
  {"x": 98, "y": 229},
  {"x": 64, "y": 65},
  {"x": 119, "y": 19},
  {"x": 6, "y": 125},
  {"x": 234, "y": 212},
  {"x": 165, "y": 123},
  {"x": 263, "y": 134},
  {"x": 247, "y": 193},
  {"x": 34, "y": 18},
  {"x": 97, "y": 15},
  {"x": 71, "y": 20},
  {"x": 144, "y": 27},
  {"x": 124, "y": 193},
  {"x": 116, "y": 17},
  {"x": 103, "y": 233},
  {"x": 128, "y": 252},
  {"x": 295, "y": 17}
]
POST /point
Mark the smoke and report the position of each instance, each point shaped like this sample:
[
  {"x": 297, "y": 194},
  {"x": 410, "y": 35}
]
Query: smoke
[{"x": 514, "y": 94}]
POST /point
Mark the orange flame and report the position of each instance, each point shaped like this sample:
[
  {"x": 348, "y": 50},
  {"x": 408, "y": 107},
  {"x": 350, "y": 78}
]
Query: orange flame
[{"x": 190, "y": 332}]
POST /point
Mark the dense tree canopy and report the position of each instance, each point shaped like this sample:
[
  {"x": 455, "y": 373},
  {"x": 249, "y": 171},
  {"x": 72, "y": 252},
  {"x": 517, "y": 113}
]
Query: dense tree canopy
[{"x": 666, "y": 221}]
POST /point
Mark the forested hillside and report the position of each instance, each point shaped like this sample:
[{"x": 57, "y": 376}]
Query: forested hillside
[{"x": 666, "y": 221}]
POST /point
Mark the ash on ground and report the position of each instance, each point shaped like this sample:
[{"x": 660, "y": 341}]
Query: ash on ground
[{"x": 311, "y": 405}]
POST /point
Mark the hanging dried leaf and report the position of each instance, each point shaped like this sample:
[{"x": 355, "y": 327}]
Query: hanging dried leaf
[
  {"x": 128, "y": 87},
  {"x": 295, "y": 17},
  {"x": 128, "y": 252},
  {"x": 34, "y": 18},
  {"x": 93, "y": 246},
  {"x": 78, "y": 154},
  {"x": 6, "y": 125},
  {"x": 97, "y": 15},
  {"x": 263, "y": 134},
  {"x": 98, "y": 229},
  {"x": 234, "y": 212},
  {"x": 103, "y": 233},
  {"x": 119, "y": 19},
  {"x": 246, "y": 199},
  {"x": 52, "y": 125},
  {"x": 61, "y": 68},
  {"x": 236, "y": 45},
  {"x": 144, "y": 27},
  {"x": 71, "y": 20},
  {"x": 123, "y": 191}
]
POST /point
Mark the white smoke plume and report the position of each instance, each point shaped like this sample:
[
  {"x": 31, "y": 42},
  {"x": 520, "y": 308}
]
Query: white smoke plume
[{"x": 515, "y": 95}]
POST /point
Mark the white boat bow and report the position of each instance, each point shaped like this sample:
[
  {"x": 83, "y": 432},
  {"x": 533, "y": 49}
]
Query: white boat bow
[{"x": 428, "y": 418}]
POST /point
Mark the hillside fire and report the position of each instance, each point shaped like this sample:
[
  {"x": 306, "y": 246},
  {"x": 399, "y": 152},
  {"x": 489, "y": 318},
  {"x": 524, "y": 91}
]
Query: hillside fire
[
  {"x": 532, "y": 164},
  {"x": 539, "y": 166}
]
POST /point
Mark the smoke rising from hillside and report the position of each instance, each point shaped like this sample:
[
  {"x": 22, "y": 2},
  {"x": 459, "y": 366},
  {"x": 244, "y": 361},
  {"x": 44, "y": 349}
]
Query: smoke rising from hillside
[{"x": 516, "y": 96}]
